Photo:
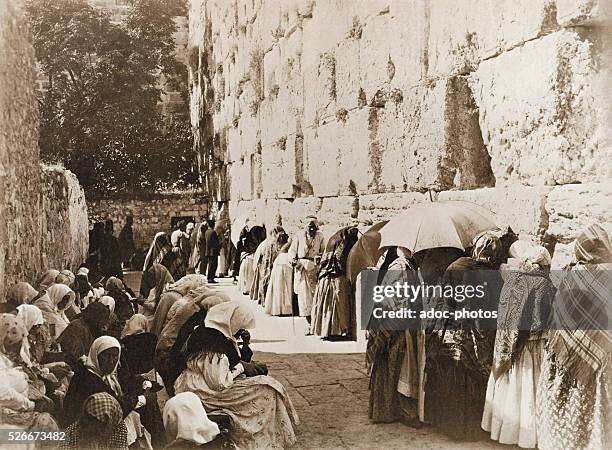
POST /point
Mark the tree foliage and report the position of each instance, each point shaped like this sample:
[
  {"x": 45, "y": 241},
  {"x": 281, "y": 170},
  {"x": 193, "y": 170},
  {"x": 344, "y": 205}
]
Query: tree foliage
[{"x": 100, "y": 116}]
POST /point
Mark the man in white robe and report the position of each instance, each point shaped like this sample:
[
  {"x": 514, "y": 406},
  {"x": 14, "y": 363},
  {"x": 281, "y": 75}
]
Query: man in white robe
[{"x": 305, "y": 254}]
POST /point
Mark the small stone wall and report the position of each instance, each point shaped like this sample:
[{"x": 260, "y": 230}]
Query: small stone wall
[{"x": 151, "y": 213}]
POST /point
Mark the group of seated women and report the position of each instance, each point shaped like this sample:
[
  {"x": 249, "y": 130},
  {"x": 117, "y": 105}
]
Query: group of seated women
[{"x": 92, "y": 360}]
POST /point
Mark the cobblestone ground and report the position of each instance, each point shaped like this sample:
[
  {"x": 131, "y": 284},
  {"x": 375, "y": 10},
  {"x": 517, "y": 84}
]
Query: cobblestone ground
[{"x": 328, "y": 385}]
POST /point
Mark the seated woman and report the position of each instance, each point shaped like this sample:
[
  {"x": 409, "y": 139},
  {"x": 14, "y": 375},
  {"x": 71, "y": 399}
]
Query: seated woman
[
  {"x": 79, "y": 335},
  {"x": 17, "y": 409},
  {"x": 101, "y": 373},
  {"x": 122, "y": 307},
  {"x": 53, "y": 305},
  {"x": 53, "y": 375},
  {"x": 175, "y": 291},
  {"x": 155, "y": 282},
  {"x": 186, "y": 422},
  {"x": 262, "y": 415},
  {"x": 18, "y": 294},
  {"x": 100, "y": 425},
  {"x": 169, "y": 361}
]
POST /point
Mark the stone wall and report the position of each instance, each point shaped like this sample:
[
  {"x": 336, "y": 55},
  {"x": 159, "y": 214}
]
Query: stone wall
[
  {"x": 151, "y": 213},
  {"x": 352, "y": 110},
  {"x": 65, "y": 237},
  {"x": 42, "y": 212}
]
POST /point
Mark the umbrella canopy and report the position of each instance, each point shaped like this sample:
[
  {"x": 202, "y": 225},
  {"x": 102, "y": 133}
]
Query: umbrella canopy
[
  {"x": 238, "y": 225},
  {"x": 451, "y": 223},
  {"x": 365, "y": 253}
]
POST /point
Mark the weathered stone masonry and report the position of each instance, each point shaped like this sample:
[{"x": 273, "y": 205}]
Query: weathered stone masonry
[
  {"x": 43, "y": 218},
  {"x": 353, "y": 110}
]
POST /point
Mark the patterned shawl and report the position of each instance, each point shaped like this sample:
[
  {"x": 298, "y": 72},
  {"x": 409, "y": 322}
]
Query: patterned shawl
[
  {"x": 333, "y": 261},
  {"x": 380, "y": 337},
  {"x": 524, "y": 310},
  {"x": 582, "y": 340}
]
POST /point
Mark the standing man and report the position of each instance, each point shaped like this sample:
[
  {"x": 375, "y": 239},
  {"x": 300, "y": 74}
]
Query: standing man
[
  {"x": 305, "y": 255},
  {"x": 126, "y": 241},
  {"x": 211, "y": 239},
  {"x": 110, "y": 253}
]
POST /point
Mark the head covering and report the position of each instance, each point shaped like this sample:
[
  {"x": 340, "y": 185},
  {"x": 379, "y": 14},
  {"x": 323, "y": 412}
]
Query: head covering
[
  {"x": 47, "y": 279},
  {"x": 593, "y": 246},
  {"x": 104, "y": 408},
  {"x": 185, "y": 420},
  {"x": 187, "y": 283},
  {"x": 160, "y": 277},
  {"x": 83, "y": 271},
  {"x": 530, "y": 255},
  {"x": 159, "y": 241},
  {"x": 66, "y": 277},
  {"x": 333, "y": 261},
  {"x": 21, "y": 293},
  {"x": 136, "y": 324},
  {"x": 57, "y": 292},
  {"x": 12, "y": 330},
  {"x": 114, "y": 283},
  {"x": 99, "y": 345},
  {"x": 30, "y": 315},
  {"x": 190, "y": 226},
  {"x": 109, "y": 302},
  {"x": 95, "y": 315},
  {"x": 487, "y": 248},
  {"x": 229, "y": 317}
]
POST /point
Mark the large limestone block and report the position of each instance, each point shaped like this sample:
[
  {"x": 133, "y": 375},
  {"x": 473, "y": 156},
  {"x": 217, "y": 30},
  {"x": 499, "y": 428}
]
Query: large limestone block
[
  {"x": 320, "y": 145},
  {"x": 275, "y": 212},
  {"x": 240, "y": 179},
  {"x": 274, "y": 114},
  {"x": 375, "y": 208},
  {"x": 352, "y": 172},
  {"x": 428, "y": 137},
  {"x": 271, "y": 70},
  {"x": 573, "y": 207},
  {"x": 348, "y": 82},
  {"x": 337, "y": 212},
  {"x": 541, "y": 121},
  {"x": 278, "y": 169},
  {"x": 521, "y": 207},
  {"x": 374, "y": 55}
]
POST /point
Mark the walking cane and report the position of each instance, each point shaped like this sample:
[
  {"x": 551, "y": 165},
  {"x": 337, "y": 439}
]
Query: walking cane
[{"x": 292, "y": 311}]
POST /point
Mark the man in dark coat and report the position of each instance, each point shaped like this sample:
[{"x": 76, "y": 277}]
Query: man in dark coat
[
  {"x": 126, "y": 241},
  {"x": 212, "y": 251},
  {"x": 110, "y": 253}
]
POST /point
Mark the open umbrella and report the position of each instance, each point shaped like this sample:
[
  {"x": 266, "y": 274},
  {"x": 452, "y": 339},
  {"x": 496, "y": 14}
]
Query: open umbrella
[
  {"x": 238, "y": 224},
  {"x": 365, "y": 252},
  {"x": 450, "y": 223}
]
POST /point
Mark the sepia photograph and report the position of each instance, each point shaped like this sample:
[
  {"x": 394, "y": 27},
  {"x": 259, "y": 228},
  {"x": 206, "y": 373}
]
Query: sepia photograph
[{"x": 306, "y": 224}]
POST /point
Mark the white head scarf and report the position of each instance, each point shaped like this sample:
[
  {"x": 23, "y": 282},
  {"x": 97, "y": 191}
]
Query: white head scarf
[
  {"x": 229, "y": 317},
  {"x": 108, "y": 301},
  {"x": 138, "y": 323},
  {"x": 30, "y": 315},
  {"x": 530, "y": 254},
  {"x": 187, "y": 283},
  {"x": 99, "y": 345},
  {"x": 185, "y": 420},
  {"x": 57, "y": 292}
]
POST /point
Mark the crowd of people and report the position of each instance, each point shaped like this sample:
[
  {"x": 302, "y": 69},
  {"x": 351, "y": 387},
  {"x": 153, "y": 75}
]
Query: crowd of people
[
  {"x": 90, "y": 356},
  {"x": 539, "y": 377}
]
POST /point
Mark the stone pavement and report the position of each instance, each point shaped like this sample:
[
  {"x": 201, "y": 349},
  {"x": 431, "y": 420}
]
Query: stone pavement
[{"x": 328, "y": 386}]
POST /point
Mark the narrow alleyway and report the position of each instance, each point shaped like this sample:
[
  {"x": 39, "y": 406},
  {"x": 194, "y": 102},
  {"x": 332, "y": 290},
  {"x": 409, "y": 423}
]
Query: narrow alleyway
[{"x": 328, "y": 385}]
